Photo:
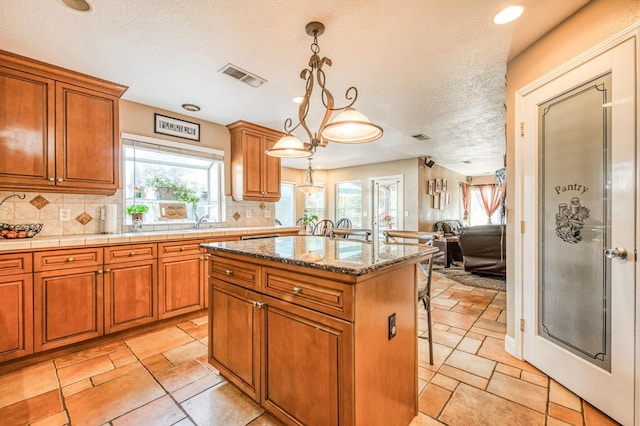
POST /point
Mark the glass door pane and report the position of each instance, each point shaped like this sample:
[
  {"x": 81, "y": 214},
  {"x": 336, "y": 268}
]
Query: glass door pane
[{"x": 575, "y": 221}]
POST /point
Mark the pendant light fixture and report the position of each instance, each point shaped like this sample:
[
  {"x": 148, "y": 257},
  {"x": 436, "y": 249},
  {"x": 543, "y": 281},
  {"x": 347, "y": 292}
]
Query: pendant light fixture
[
  {"x": 308, "y": 187},
  {"x": 349, "y": 126}
]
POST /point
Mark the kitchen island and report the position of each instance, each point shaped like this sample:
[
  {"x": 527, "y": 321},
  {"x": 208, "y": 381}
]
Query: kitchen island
[{"x": 318, "y": 331}]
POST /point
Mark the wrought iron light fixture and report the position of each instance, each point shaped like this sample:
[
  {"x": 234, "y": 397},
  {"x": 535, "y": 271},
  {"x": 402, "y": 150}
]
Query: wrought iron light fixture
[
  {"x": 349, "y": 126},
  {"x": 308, "y": 187}
]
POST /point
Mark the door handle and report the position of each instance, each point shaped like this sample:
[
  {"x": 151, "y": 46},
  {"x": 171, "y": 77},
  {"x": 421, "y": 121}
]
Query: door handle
[{"x": 616, "y": 252}]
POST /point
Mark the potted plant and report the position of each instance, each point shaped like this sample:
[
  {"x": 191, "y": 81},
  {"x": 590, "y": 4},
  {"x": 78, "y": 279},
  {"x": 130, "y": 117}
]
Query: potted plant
[
  {"x": 187, "y": 195},
  {"x": 137, "y": 211},
  {"x": 308, "y": 220},
  {"x": 164, "y": 187},
  {"x": 388, "y": 220}
]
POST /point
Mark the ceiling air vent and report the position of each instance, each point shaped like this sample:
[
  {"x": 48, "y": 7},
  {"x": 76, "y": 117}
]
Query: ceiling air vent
[
  {"x": 242, "y": 75},
  {"x": 421, "y": 137}
]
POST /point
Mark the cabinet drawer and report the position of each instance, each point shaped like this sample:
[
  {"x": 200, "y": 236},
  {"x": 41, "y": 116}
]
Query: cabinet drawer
[
  {"x": 235, "y": 272},
  {"x": 180, "y": 248},
  {"x": 316, "y": 293},
  {"x": 15, "y": 263},
  {"x": 129, "y": 253},
  {"x": 76, "y": 258}
]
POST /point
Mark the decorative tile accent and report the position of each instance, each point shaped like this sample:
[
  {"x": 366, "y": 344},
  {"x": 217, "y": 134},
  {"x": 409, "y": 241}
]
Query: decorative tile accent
[
  {"x": 84, "y": 218},
  {"x": 263, "y": 206},
  {"x": 39, "y": 202},
  {"x": 236, "y": 216}
]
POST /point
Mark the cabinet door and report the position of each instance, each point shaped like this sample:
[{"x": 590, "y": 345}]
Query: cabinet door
[
  {"x": 180, "y": 285},
  {"x": 235, "y": 324},
  {"x": 87, "y": 145},
  {"x": 130, "y": 295},
  {"x": 68, "y": 307},
  {"x": 253, "y": 151},
  {"x": 271, "y": 178},
  {"x": 16, "y": 316},
  {"x": 28, "y": 135},
  {"x": 308, "y": 367}
]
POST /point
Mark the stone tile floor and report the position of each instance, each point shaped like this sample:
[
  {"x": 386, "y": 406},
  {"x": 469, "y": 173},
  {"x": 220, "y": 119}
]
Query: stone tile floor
[{"x": 162, "y": 378}]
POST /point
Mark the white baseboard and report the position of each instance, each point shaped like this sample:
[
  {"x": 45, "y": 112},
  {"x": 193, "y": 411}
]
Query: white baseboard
[{"x": 511, "y": 348}]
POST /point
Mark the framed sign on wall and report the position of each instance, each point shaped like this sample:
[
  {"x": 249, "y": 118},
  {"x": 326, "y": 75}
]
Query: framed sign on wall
[{"x": 176, "y": 127}]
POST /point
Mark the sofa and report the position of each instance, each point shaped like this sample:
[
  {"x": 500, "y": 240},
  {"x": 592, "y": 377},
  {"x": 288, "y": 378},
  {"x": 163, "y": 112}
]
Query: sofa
[
  {"x": 484, "y": 249},
  {"x": 449, "y": 227}
]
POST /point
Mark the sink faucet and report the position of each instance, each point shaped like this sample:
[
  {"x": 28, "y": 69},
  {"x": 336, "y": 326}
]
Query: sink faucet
[{"x": 198, "y": 221}]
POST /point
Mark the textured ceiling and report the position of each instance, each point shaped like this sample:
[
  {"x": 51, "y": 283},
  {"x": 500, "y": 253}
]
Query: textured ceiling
[{"x": 421, "y": 66}]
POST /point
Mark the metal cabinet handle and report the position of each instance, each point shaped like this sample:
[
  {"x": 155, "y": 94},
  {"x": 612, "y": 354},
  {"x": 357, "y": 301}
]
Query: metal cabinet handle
[
  {"x": 60, "y": 179},
  {"x": 257, "y": 304},
  {"x": 229, "y": 272},
  {"x": 70, "y": 259},
  {"x": 107, "y": 270},
  {"x": 616, "y": 252},
  {"x": 99, "y": 271},
  {"x": 133, "y": 253},
  {"x": 52, "y": 179},
  {"x": 297, "y": 289},
  {"x": 181, "y": 248}
]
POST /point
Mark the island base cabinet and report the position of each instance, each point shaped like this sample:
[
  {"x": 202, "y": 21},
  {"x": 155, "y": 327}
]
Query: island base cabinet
[
  {"x": 68, "y": 307},
  {"x": 234, "y": 336},
  {"x": 16, "y": 316},
  {"x": 307, "y": 364}
]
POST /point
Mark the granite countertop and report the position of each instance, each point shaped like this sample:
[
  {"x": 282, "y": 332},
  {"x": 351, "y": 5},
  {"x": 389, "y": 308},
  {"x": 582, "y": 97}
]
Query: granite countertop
[
  {"x": 39, "y": 242},
  {"x": 335, "y": 255}
]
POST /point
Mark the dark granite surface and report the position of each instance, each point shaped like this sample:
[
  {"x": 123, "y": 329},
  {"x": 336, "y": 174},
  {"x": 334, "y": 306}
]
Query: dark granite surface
[{"x": 334, "y": 255}]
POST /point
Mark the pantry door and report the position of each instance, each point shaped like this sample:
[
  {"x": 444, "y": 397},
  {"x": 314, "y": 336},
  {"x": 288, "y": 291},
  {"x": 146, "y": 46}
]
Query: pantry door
[{"x": 578, "y": 246}]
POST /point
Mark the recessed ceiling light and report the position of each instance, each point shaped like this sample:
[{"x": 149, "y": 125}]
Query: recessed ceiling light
[
  {"x": 79, "y": 5},
  {"x": 508, "y": 14},
  {"x": 298, "y": 99},
  {"x": 191, "y": 107}
]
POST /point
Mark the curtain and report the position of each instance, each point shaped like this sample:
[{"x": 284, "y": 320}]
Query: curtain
[
  {"x": 466, "y": 200},
  {"x": 491, "y": 197}
]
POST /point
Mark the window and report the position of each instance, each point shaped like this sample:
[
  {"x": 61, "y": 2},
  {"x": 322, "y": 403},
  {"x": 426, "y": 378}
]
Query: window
[
  {"x": 349, "y": 202},
  {"x": 314, "y": 203},
  {"x": 196, "y": 179},
  {"x": 286, "y": 207},
  {"x": 477, "y": 215}
]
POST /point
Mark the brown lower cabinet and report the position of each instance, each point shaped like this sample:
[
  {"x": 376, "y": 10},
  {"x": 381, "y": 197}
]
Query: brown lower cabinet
[
  {"x": 16, "y": 316},
  {"x": 130, "y": 294},
  {"x": 53, "y": 298},
  {"x": 67, "y": 307},
  {"x": 181, "y": 278}
]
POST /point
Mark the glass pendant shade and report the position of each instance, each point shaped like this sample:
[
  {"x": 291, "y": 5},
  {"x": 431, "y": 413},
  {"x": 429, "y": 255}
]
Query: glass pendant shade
[
  {"x": 309, "y": 189},
  {"x": 351, "y": 126},
  {"x": 289, "y": 147}
]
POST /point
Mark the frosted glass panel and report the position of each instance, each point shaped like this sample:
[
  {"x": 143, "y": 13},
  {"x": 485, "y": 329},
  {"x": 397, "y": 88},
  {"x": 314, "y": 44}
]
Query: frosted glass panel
[{"x": 574, "y": 277}]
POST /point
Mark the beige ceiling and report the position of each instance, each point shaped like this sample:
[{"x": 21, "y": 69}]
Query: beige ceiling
[{"x": 421, "y": 66}]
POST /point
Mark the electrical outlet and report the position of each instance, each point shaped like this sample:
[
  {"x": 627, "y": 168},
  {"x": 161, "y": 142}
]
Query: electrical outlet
[
  {"x": 65, "y": 215},
  {"x": 248, "y": 213},
  {"x": 392, "y": 326},
  {"x": 406, "y": 213}
]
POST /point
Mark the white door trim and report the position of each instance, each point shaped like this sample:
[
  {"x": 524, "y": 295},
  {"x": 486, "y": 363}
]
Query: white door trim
[{"x": 514, "y": 345}]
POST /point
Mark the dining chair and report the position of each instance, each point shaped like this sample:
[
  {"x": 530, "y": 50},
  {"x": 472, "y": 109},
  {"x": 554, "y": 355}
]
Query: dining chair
[
  {"x": 343, "y": 222},
  {"x": 426, "y": 269},
  {"x": 323, "y": 227}
]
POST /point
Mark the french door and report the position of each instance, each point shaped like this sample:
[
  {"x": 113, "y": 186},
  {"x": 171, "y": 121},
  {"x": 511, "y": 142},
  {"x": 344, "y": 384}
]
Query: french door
[{"x": 578, "y": 251}]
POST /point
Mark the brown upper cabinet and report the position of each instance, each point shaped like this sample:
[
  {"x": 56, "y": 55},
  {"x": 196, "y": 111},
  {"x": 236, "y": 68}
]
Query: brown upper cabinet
[
  {"x": 59, "y": 129},
  {"x": 255, "y": 176}
]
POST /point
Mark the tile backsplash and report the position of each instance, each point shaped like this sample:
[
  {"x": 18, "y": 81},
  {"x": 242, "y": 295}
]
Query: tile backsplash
[{"x": 85, "y": 213}]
